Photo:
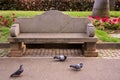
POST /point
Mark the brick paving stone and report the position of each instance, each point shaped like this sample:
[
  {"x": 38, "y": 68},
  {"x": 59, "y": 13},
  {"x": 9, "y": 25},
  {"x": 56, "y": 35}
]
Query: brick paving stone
[
  {"x": 109, "y": 52},
  {"x": 3, "y": 52},
  {"x": 69, "y": 52},
  {"x": 72, "y": 53}
]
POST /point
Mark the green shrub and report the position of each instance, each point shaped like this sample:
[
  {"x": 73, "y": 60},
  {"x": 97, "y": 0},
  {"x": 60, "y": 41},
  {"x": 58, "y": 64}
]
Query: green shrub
[{"x": 63, "y": 5}]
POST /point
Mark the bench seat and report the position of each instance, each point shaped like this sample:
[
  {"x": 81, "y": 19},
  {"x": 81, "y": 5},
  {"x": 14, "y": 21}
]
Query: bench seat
[{"x": 53, "y": 38}]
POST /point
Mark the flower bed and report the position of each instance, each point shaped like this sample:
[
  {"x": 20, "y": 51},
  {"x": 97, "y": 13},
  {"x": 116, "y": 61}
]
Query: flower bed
[{"x": 112, "y": 23}]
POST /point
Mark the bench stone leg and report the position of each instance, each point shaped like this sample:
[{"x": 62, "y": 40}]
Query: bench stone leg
[
  {"x": 15, "y": 49},
  {"x": 23, "y": 48},
  {"x": 90, "y": 49}
]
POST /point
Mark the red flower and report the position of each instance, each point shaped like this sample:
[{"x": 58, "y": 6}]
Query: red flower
[
  {"x": 105, "y": 19},
  {"x": 119, "y": 19},
  {"x": 1, "y": 17},
  {"x": 13, "y": 19},
  {"x": 97, "y": 17},
  {"x": 114, "y": 19},
  {"x": 6, "y": 21}
]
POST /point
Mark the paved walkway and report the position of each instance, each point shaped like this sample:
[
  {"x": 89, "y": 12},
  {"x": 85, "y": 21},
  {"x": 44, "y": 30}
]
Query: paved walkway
[
  {"x": 43, "y": 67},
  {"x": 115, "y": 35},
  {"x": 39, "y": 68},
  {"x": 113, "y": 53}
]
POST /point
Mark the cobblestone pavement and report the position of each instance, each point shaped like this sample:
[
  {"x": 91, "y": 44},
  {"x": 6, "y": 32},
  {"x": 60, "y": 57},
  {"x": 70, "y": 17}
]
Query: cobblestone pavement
[
  {"x": 70, "y": 52},
  {"x": 3, "y": 52},
  {"x": 109, "y": 52}
]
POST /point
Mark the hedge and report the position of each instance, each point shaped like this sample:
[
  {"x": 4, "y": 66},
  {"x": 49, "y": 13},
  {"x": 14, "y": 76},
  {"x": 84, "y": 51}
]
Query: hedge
[{"x": 43, "y": 5}]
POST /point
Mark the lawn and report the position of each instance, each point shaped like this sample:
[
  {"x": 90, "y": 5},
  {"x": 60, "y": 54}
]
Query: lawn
[
  {"x": 33, "y": 13},
  {"x": 102, "y": 35},
  {"x": 4, "y": 34},
  {"x": 71, "y": 13}
]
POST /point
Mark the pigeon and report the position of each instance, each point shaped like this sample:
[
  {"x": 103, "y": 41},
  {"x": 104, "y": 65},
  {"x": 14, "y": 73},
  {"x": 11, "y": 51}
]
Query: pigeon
[
  {"x": 61, "y": 57},
  {"x": 77, "y": 66},
  {"x": 18, "y": 72}
]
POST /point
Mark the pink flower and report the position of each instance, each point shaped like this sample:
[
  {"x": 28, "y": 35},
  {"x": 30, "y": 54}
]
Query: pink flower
[
  {"x": 90, "y": 17},
  {"x": 114, "y": 21},
  {"x": 111, "y": 22}
]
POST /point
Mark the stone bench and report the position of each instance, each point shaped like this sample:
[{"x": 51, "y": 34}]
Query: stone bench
[{"x": 52, "y": 27}]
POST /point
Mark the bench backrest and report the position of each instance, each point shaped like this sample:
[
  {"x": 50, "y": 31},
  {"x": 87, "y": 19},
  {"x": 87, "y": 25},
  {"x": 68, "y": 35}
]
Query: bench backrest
[{"x": 52, "y": 21}]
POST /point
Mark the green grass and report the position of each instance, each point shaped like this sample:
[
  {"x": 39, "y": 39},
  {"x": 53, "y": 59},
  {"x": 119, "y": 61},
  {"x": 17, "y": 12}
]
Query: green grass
[
  {"x": 4, "y": 34},
  {"x": 71, "y": 13},
  {"x": 20, "y": 13},
  {"x": 79, "y": 13},
  {"x": 103, "y": 36},
  {"x": 33, "y": 13},
  {"x": 115, "y": 13}
]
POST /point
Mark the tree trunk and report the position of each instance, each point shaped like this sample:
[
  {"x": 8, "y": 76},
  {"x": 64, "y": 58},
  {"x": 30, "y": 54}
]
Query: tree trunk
[
  {"x": 101, "y": 8},
  {"x": 112, "y": 5}
]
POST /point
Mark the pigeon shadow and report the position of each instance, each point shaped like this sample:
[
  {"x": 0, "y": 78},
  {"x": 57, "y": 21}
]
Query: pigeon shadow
[
  {"x": 15, "y": 77},
  {"x": 59, "y": 61},
  {"x": 75, "y": 70}
]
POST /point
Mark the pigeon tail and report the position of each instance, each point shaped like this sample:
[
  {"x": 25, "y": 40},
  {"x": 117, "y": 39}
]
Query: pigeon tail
[
  {"x": 72, "y": 65},
  {"x": 56, "y": 57},
  {"x": 12, "y": 75}
]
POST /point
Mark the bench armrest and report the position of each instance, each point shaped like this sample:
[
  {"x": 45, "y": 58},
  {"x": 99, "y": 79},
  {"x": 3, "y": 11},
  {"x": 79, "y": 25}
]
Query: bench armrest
[
  {"x": 14, "y": 30},
  {"x": 90, "y": 30}
]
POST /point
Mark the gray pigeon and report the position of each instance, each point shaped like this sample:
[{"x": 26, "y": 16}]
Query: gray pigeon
[
  {"x": 18, "y": 72},
  {"x": 77, "y": 66},
  {"x": 60, "y": 57}
]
